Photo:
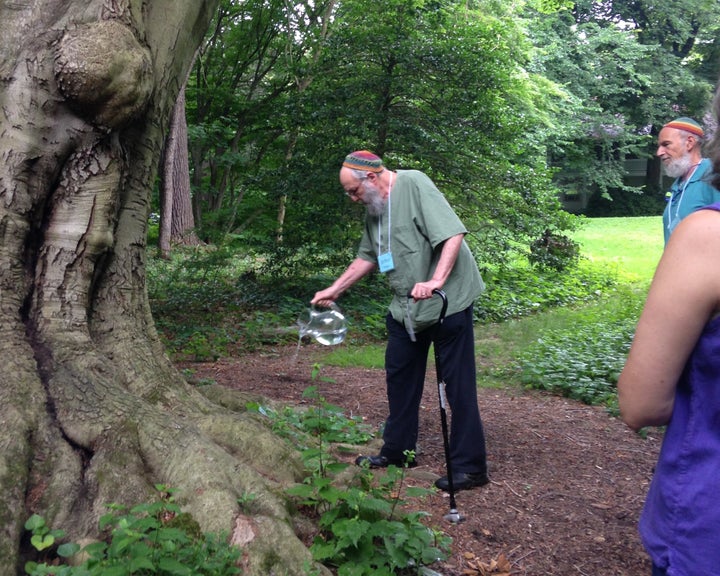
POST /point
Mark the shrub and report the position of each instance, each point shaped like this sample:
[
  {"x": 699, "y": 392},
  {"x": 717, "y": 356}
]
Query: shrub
[
  {"x": 554, "y": 251},
  {"x": 585, "y": 361},
  {"x": 518, "y": 291},
  {"x": 153, "y": 538},
  {"x": 363, "y": 528}
]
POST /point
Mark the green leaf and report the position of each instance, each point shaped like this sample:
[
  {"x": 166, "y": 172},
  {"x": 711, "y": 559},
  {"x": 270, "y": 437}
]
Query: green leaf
[
  {"x": 95, "y": 549},
  {"x": 41, "y": 542},
  {"x": 115, "y": 571},
  {"x": 68, "y": 549},
  {"x": 141, "y": 562},
  {"x": 174, "y": 567},
  {"x": 351, "y": 529},
  {"x": 34, "y": 522}
]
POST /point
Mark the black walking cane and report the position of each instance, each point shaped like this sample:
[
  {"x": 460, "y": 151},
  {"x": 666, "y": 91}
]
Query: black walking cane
[{"x": 453, "y": 515}]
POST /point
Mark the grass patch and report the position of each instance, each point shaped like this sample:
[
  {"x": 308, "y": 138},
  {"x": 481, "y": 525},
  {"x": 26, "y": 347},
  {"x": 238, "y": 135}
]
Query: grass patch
[
  {"x": 366, "y": 356},
  {"x": 631, "y": 246}
]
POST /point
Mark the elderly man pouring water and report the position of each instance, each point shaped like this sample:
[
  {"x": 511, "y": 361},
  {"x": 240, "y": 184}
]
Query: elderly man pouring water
[{"x": 414, "y": 238}]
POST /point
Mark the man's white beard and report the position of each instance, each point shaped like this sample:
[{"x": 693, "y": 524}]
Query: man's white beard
[
  {"x": 374, "y": 202},
  {"x": 678, "y": 167}
]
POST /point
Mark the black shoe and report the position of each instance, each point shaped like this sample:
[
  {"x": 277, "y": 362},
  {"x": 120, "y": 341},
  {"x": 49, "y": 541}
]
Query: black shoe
[
  {"x": 379, "y": 461},
  {"x": 462, "y": 481}
]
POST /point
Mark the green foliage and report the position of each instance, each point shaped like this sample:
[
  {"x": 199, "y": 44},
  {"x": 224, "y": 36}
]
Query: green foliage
[
  {"x": 42, "y": 536},
  {"x": 323, "y": 421},
  {"x": 503, "y": 104},
  {"x": 624, "y": 203},
  {"x": 584, "y": 362},
  {"x": 151, "y": 538},
  {"x": 208, "y": 306},
  {"x": 213, "y": 302},
  {"x": 281, "y": 92},
  {"x": 554, "y": 251},
  {"x": 362, "y": 532},
  {"x": 209, "y": 302},
  {"x": 363, "y": 529},
  {"x": 625, "y": 68},
  {"x": 517, "y": 291}
]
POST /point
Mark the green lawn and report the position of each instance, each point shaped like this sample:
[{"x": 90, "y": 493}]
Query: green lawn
[{"x": 632, "y": 245}]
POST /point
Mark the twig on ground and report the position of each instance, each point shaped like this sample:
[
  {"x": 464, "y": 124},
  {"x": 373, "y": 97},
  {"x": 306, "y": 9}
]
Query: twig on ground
[{"x": 511, "y": 490}]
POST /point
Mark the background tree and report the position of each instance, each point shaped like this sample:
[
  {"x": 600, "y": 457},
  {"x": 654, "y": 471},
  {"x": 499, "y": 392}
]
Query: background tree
[
  {"x": 177, "y": 222},
  {"x": 429, "y": 85},
  {"x": 93, "y": 412},
  {"x": 626, "y": 68},
  {"x": 257, "y": 55}
]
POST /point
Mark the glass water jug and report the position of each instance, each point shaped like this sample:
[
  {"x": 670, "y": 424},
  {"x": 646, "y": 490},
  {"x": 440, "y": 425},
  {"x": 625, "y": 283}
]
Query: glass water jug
[{"x": 327, "y": 326}]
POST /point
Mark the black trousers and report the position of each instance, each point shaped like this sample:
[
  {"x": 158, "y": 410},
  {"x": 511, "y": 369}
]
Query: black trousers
[{"x": 405, "y": 366}]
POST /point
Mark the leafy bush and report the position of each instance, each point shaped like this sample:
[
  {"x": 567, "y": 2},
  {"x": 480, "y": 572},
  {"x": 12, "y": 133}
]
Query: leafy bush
[
  {"x": 554, "y": 251},
  {"x": 517, "y": 291},
  {"x": 363, "y": 528},
  {"x": 152, "y": 538},
  {"x": 585, "y": 361},
  {"x": 213, "y": 303},
  {"x": 625, "y": 203},
  {"x": 363, "y": 532},
  {"x": 325, "y": 421},
  {"x": 583, "y": 364}
]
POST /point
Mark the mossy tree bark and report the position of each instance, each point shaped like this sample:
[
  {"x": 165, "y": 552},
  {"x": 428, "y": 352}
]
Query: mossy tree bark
[{"x": 92, "y": 411}]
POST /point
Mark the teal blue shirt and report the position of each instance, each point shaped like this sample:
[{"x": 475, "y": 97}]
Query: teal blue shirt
[
  {"x": 687, "y": 198},
  {"x": 420, "y": 219}
]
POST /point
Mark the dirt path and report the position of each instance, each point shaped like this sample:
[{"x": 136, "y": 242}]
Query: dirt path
[{"x": 567, "y": 480}]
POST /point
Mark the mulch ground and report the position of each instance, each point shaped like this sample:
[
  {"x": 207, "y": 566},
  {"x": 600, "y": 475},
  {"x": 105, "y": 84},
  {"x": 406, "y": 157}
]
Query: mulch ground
[{"x": 567, "y": 480}]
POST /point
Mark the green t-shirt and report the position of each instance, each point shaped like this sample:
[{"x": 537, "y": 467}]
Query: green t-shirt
[{"x": 420, "y": 220}]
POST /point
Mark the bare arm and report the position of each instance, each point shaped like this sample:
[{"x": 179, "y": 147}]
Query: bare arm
[
  {"x": 448, "y": 256},
  {"x": 357, "y": 270},
  {"x": 684, "y": 295}
]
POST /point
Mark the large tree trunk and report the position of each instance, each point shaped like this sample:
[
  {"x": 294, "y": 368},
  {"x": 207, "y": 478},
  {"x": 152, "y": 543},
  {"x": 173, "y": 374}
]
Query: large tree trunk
[{"x": 92, "y": 410}]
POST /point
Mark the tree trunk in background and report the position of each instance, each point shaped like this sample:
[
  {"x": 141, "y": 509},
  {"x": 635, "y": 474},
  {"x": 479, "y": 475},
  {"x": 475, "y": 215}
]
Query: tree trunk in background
[
  {"x": 92, "y": 410},
  {"x": 177, "y": 224}
]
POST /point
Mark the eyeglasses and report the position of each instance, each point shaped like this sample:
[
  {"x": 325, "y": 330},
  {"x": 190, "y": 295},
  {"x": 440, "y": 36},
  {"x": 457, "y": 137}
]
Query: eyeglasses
[{"x": 353, "y": 194}]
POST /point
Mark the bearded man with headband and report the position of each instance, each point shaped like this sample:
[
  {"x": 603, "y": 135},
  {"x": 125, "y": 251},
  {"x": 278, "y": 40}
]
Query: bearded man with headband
[
  {"x": 680, "y": 150},
  {"x": 416, "y": 240}
]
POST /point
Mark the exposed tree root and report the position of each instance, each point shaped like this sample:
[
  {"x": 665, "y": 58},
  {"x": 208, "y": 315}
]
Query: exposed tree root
[{"x": 96, "y": 448}]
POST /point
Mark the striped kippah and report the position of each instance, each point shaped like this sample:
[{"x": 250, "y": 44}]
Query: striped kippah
[
  {"x": 687, "y": 124},
  {"x": 363, "y": 160}
]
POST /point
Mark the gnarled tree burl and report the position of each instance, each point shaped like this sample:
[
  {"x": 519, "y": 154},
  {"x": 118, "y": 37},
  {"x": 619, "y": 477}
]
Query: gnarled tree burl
[{"x": 91, "y": 410}]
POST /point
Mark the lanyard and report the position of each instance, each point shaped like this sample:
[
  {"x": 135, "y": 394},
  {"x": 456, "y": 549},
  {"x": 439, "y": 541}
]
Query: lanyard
[
  {"x": 390, "y": 185},
  {"x": 672, "y": 222}
]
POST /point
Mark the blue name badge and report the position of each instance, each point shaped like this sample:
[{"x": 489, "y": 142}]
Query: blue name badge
[{"x": 385, "y": 262}]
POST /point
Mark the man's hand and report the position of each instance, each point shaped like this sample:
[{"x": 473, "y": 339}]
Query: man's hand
[
  {"x": 325, "y": 297},
  {"x": 424, "y": 290}
]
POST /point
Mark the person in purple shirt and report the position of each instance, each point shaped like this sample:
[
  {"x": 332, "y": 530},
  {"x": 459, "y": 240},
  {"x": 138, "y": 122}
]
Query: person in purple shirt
[{"x": 672, "y": 378}]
